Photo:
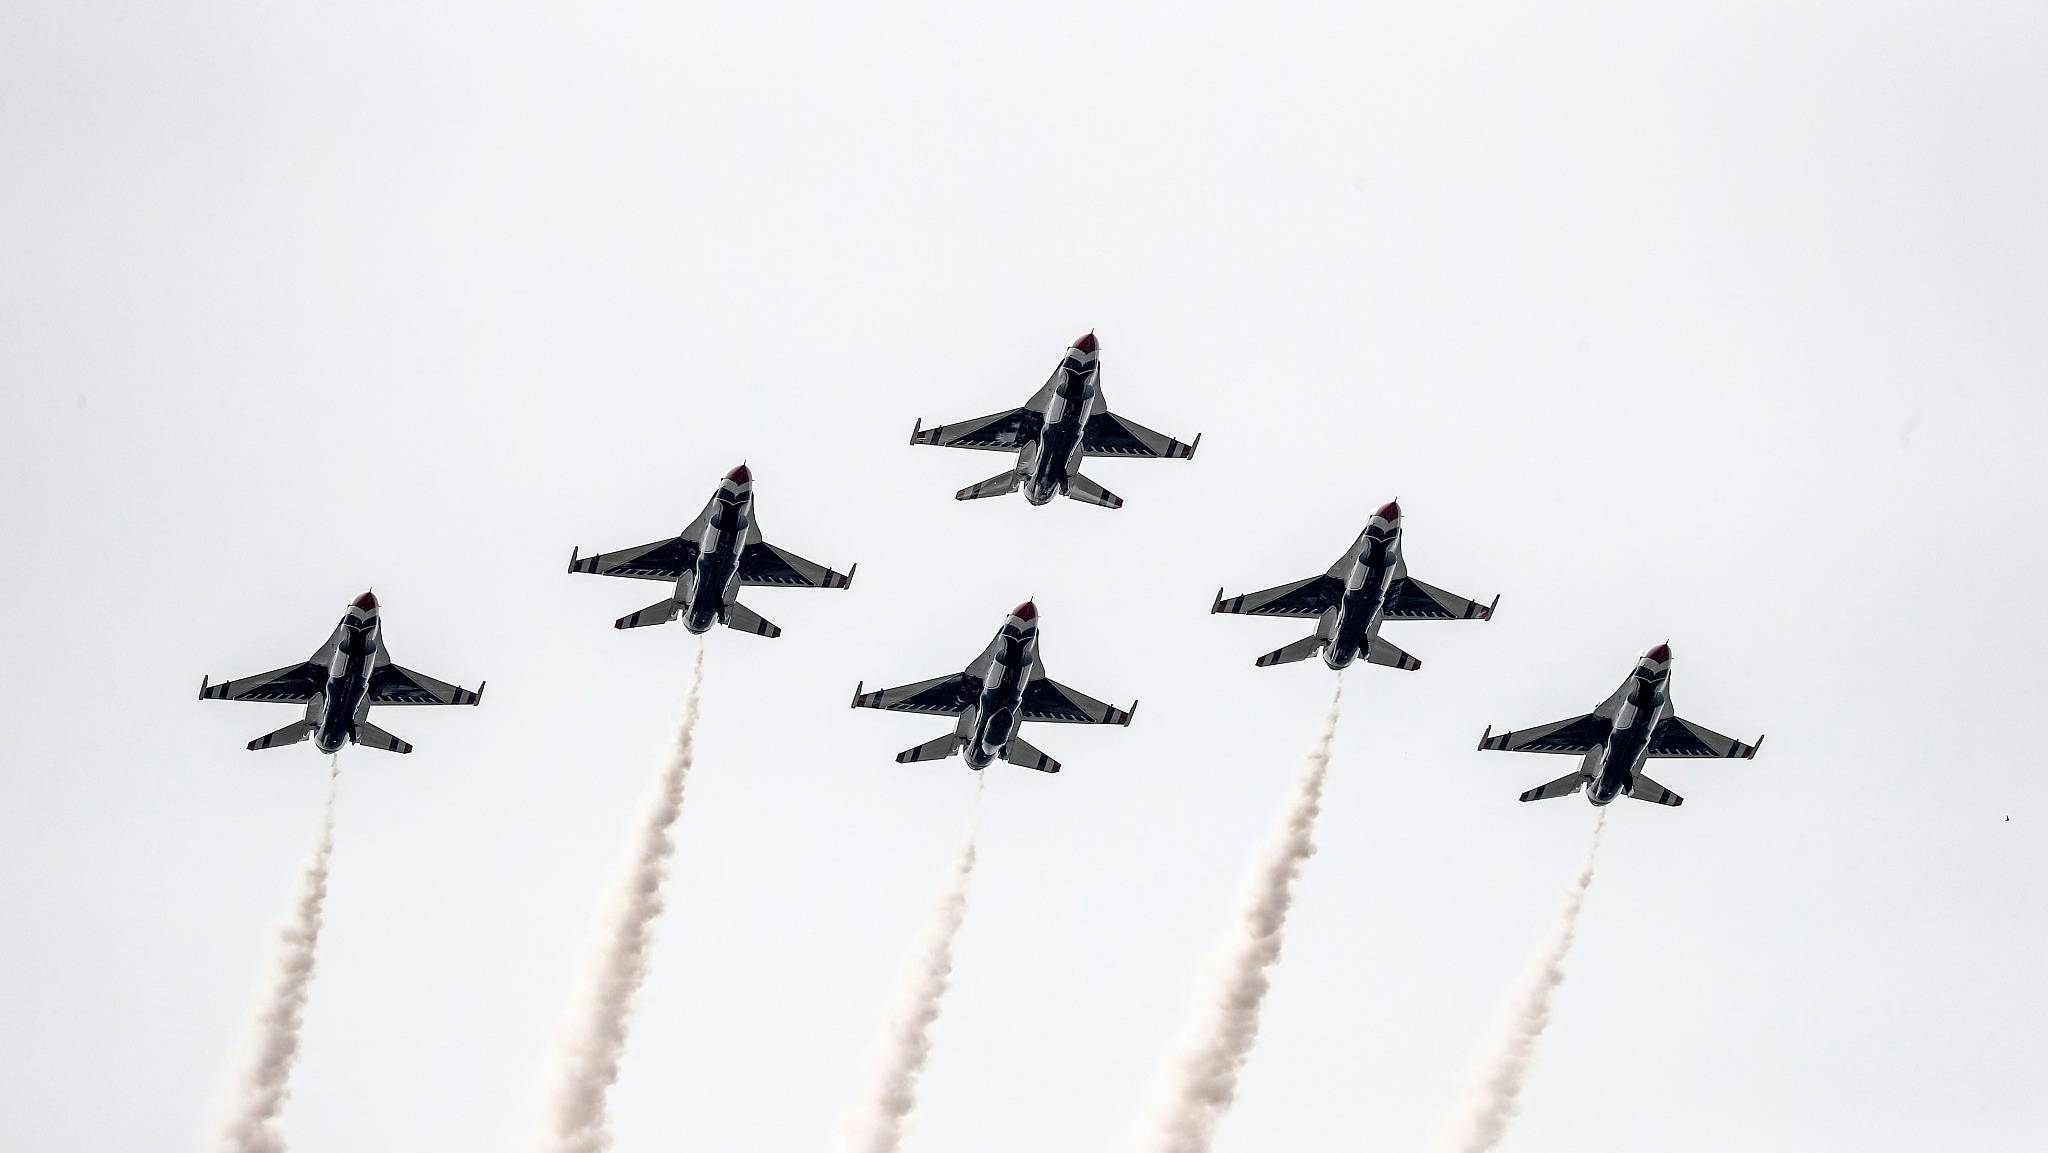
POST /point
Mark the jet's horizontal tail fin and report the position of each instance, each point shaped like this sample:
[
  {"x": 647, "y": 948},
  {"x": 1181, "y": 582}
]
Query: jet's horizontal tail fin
[
  {"x": 371, "y": 737},
  {"x": 1088, "y": 492},
  {"x": 1300, "y": 650},
  {"x": 659, "y": 613},
  {"x": 1645, "y": 789},
  {"x": 1563, "y": 786},
  {"x": 1001, "y": 484},
  {"x": 291, "y": 734},
  {"x": 1020, "y": 752},
  {"x": 746, "y": 620},
  {"x": 936, "y": 749},
  {"x": 1382, "y": 652}
]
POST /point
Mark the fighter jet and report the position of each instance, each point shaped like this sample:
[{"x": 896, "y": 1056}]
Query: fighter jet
[
  {"x": 1003, "y": 687},
  {"x": 1629, "y": 727},
  {"x": 718, "y": 554},
  {"x": 1368, "y": 586},
  {"x": 1061, "y": 423},
  {"x": 338, "y": 684}
]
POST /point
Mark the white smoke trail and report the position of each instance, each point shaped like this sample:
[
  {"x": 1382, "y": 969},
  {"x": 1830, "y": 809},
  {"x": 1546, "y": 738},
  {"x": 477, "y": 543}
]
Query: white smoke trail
[
  {"x": 257, "y": 1095},
  {"x": 590, "y": 1062},
  {"x": 1204, "y": 1080},
  {"x": 1497, "y": 1083},
  {"x": 878, "y": 1126}
]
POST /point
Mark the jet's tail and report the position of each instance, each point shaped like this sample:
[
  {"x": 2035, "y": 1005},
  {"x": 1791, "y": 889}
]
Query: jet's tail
[
  {"x": 1382, "y": 652},
  {"x": 291, "y": 734},
  {"x": 371, "y": 737},
  {"x": 1088, "y": 492},
  {"x": 1020, "y": 752},
  {"x": 1563, "y": 786},
  {"x": 1001, "y": 484},
  {"x": 659, "y": 613},
  {"x": 746, "y": 620},
  {"x": 1300, "y": 650},
  {"x": 936, "y": 749},
  {"x": 1645, "y": 789}
]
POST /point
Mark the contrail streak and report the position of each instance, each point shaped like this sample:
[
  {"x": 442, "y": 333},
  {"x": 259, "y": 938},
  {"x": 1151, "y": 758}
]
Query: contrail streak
[
  {"x": 590, "y": 1063},
  {"x": 1204, "y": 1080},
  {"x": 878, "y": 1126},
  {"x": 257, "y": 1095},
  {"x": 1497, "y": 1083}
]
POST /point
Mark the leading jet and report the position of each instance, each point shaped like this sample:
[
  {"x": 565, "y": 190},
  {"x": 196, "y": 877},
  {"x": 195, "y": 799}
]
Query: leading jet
[
  {"x": 338, "y": 684},
  {"x": 1368, "y": 586},
  {"x": 1003, "y": 687},
  {"x": 1062, "y": 422},
  {"x": 718, "y": 554},
  {"x": 1632, "y": 725}
]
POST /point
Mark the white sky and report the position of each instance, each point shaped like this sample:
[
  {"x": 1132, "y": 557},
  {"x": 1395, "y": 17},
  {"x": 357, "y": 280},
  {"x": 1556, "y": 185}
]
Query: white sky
[{"x": 1720, "y": 323}]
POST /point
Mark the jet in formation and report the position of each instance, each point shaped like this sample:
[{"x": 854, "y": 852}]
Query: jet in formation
[
  {"x": 1631, "y": 726},
  {"x": 1003, "y": 687},
  {"x": 338, "y": 684},
  {"x": 717, "y": 555},
  {"x": 1368, "y": 586},
  {"x": 1062, "y": 423}
]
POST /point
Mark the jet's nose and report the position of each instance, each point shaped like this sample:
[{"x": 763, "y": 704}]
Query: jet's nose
[
  {"x": 367, "y": 602},
  {"x": 1389, "y": 511},
  {"x": 1086, "y": 342},
  {"x": 1027, "y": 611},
  {"x": 1660, "y": 654},
  {"x": 741, "y": 475}
]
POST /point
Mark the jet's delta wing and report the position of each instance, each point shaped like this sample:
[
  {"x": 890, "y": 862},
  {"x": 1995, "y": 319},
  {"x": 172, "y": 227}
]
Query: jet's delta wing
[
  {"x": 1366, "y": 587},
  {"x": 1000, "y": 690},
  {"x": 714, "y": 557},
  {"x": 1065, "y": 421},
  {"x": 338, "y": 684},
  {"x": 1634, "y": 724}
]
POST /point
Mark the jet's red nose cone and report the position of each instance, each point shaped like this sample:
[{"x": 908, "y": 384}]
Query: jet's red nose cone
[
  {"x": 1086, "y": 343},
  {"x": 1660, "y": 653},
  {"x": 1389, "y": 511},
  {"x": 1025, "y": 612},
  {"x": 741, "y": 475},
  {"x": 367, "y": 602}
]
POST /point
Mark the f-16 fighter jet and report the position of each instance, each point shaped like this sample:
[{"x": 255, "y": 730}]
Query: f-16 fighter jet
[
  {"x": 1368, "y": 586},
  {"x": 338, "y": 684},
  {"x": 1628, "y": 728},
  {"x": 1061, "y": 423},
  {"x": 718, "y": 554},
  {"x": 1004, "y": 687}
]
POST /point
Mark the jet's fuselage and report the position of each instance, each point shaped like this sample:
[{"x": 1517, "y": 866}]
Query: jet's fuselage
[
  {"x": 999, "y": 707},
  {"x": 345, "y": 696},
  {"x": 1057, "y": 454},
  {"x": 1364, "y": 602},
  {"x": 711, "y": 583},
  {"x": 1611, "y": 767}
]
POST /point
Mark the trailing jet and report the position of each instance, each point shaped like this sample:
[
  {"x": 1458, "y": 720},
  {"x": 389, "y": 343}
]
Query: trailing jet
[
  {"x": 1368, "y": 586},
  {"x": 718, "y": 554},
  {"x": 1629, "y": 727},
  {"x": 1004, "y": 687},
  {"x": 1061, "y": 423},
  {"x": 338, "y": 684}
]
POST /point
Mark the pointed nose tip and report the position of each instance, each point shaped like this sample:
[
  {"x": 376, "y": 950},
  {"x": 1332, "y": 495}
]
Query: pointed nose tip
[
  {"x": 1027, "y": 611},
  {"x": 367, "y": 602},
  {"x": 1389, "y": 511},
  {"x": 1086, "y": 342},
  {"x": 1660, "y": 654},
  {"x": 741, "y": 475}
]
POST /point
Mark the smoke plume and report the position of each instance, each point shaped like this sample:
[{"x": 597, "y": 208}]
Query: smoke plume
[
  {"x": 1204, "y": 1079},
  {"x": 1497, "y": 1082},
  {"x": 590, "y": 1062},
  {"x": 257, "y": 1095},
  {"x": 878, "y": 1126}
]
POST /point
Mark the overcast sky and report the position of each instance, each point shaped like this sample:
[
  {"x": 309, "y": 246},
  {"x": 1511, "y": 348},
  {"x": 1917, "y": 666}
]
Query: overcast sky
[{"x": 1719, "y": 324}]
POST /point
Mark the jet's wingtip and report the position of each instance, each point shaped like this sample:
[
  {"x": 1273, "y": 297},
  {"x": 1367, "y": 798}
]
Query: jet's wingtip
[
  {"x": 915, "y": 429},
  {"x": 202, "y": 685},
  {"x": 1490, "y": 607},
  {"x": 1484, "y": 737},
  {"x": 1130, "y": 713},
  {"x": 1194, "y": 445},
  {"x": 1756, "y": 744},
  {"x": 858, "y": 686},
  {"x": 1216, "y": 606},
  {"x": 850, "y": 570},
  {"x": 574, "y": 553},
  {"x": 478, "y": 698}
]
